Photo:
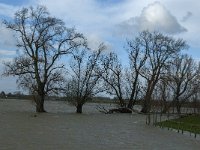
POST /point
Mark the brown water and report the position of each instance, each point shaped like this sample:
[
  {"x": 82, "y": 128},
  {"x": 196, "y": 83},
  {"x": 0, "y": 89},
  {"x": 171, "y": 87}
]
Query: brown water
[{"x": 62, "y": 129}]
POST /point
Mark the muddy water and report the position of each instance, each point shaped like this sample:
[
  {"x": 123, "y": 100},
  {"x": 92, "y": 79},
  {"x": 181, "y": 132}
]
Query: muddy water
[{"x": 62, "y": 129}]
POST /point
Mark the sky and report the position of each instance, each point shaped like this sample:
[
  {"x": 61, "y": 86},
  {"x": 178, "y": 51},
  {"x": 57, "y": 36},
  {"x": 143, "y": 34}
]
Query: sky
[{"x": 109, "y": 21}]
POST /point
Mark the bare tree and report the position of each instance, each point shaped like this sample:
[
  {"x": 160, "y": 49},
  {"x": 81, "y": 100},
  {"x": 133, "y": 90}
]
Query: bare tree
[
  {"x": 84, "y": 81},
  {"x": 125, "y": 84},
  {"x": 160, "y": 51},
  {"x": 137, "y": 59},
  {"x": 111, "y": 72},
  {"x": 41, "y": 40},
  {"x": 184, "y": 80}
]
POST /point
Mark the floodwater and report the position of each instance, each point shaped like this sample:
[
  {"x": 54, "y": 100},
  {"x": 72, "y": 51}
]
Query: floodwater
[{"x": 62, "y": 129}]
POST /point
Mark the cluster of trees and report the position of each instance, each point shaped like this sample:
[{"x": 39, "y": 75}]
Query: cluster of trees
[{"x": 157, "y": 69}]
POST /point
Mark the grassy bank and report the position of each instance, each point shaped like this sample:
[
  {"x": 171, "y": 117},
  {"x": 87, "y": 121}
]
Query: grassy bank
[{"x": 189, "y": 123}]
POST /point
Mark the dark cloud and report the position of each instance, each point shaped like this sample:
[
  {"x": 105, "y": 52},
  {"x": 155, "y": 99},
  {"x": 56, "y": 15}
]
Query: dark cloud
[{"x": 187, "y": 16}]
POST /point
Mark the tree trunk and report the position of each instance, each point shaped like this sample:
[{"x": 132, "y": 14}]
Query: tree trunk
[
  {"x": 166, "y": 106},
  {"x": 147, "y": 103},
  {"x": 165, "y": 109},
  {"x": 40, "y": 104},
  {"x": 178, "y": 104},
  {"x": 131, "y": 104},
  {"x": 146, "y": 106},
  {"x": 147, "y": 99},
  {"x": 134, "y": 92},
  {"x": 121, "y": 102},
  {"x": 79, "y": 108},
  {"x": 178, "y": 108}
]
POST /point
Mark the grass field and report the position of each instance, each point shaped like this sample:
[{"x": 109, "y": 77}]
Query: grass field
[{"x": 189, "y": 123}]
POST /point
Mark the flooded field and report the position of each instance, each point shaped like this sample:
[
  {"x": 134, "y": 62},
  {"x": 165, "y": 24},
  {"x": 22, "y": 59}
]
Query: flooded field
[{"x": 62, "y": 129}]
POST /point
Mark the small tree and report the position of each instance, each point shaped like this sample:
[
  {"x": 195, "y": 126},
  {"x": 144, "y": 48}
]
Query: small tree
[
  {"x": 42, "y": 40},
  {"x": 2, "y": 94},
  {"x": 84, "y": 81}
]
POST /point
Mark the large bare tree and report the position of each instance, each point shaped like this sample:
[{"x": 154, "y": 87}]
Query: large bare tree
[
  {"x": 42, "y": 40},
  {"x": 125, "y": 84},
  {"x": 84, "y": 82},
  {"x": 161, "y": 50}
]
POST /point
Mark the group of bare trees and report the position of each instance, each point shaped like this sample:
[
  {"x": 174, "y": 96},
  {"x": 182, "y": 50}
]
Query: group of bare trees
[
  {"x": 42, "y": 40},
  {"x": 155, "y": 63},
  {"x": 45, "y": 44},
  {"x": 180, "y": 84}
]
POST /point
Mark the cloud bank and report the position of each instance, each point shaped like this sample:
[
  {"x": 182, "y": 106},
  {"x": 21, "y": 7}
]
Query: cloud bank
[
  {"x": 100, "y": 20},
  {"x": 153, "y": 17}
]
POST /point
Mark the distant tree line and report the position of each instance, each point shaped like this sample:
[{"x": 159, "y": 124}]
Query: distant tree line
[
  {"x": 16, "y": 94},
  {"x": 157, "y": 68}
]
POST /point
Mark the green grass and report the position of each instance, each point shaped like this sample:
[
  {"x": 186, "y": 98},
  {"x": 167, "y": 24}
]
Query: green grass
[{"x": 189, "y": 123}]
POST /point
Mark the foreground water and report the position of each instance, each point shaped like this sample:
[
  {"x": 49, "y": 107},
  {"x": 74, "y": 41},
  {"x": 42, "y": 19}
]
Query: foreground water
[{"x": 62, "y": 129}]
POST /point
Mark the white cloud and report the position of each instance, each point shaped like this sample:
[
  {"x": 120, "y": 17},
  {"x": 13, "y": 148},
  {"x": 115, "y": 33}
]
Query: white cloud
[
  {"x": 7, "y": 10},
  {"x": 87, "y": 16},
  {"x": 7, "y": 52},
  {"x": 80, "y": 13},
  {"x": 94, "y": 41},
  {"x": 7, "y": 39},
  {"x": 153, "y": 17},
  {"x": 100, "y": 23},
  {"x": 92, "y": 18}
]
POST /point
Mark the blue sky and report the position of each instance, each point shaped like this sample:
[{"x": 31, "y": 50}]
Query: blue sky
[
  {"x": 13, "y": 2},
  {"x": 111, "y": 22}
]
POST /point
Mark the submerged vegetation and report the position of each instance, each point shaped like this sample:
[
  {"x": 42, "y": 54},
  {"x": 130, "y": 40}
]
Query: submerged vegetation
[{"x": 190, "y": 123}]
